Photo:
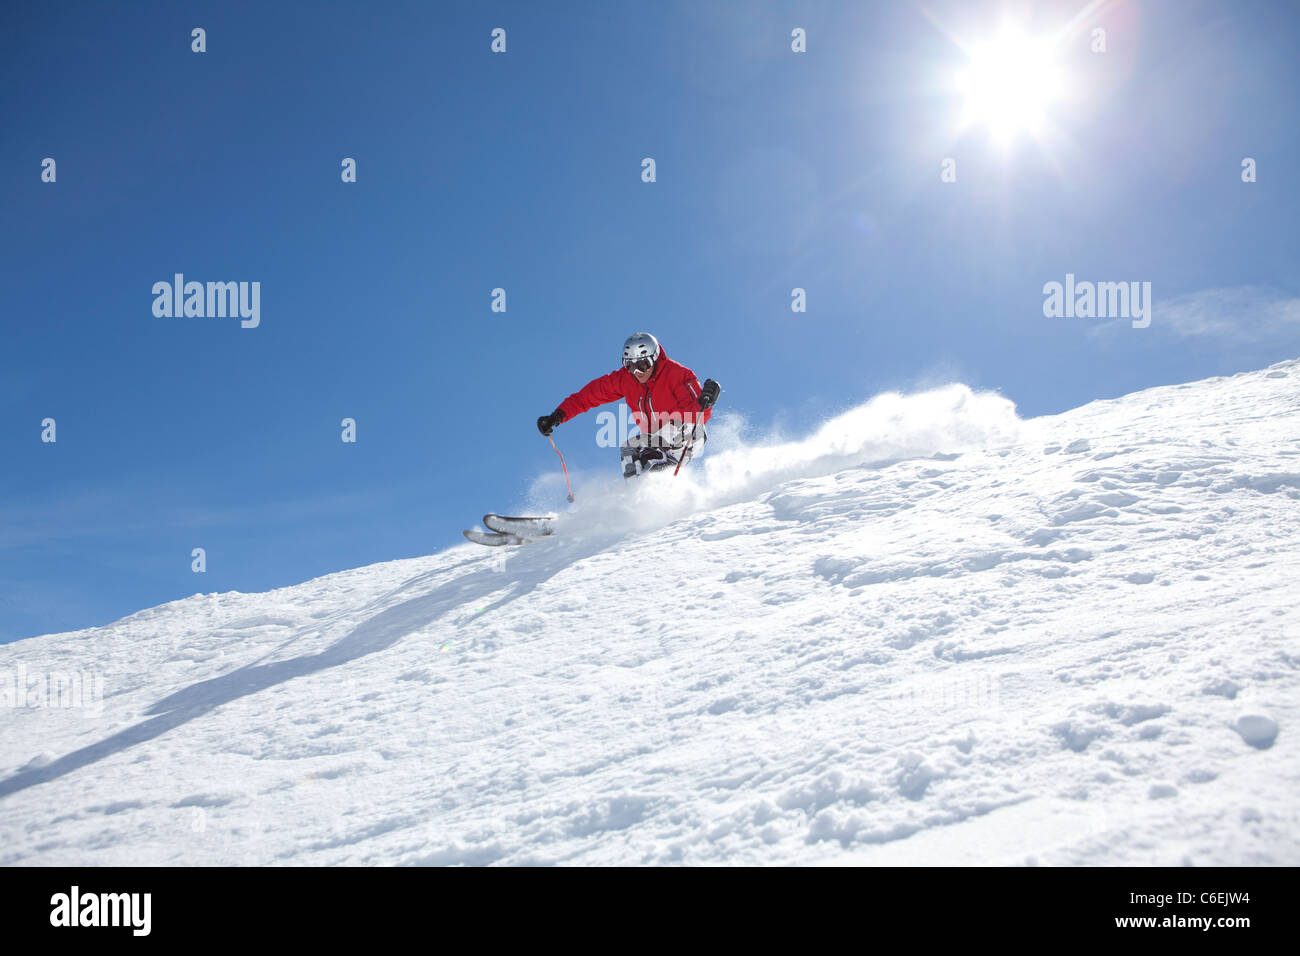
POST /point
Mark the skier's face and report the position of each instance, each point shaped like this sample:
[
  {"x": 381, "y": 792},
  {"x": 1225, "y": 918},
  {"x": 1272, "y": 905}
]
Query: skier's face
[{"x": 641, "y": 370}]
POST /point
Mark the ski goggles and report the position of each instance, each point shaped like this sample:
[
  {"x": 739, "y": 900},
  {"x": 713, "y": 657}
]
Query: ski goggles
[{"x": 638, "y": 364}]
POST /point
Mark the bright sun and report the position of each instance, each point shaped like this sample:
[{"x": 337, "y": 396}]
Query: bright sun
[{"x": 1009, "y": 84}]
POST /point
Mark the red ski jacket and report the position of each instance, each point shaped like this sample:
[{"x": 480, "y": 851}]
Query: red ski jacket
[{"x": 672, "y": 393}]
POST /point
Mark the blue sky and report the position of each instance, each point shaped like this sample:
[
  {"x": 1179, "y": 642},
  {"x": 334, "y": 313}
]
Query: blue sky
[{"x": 775, "y": 170}]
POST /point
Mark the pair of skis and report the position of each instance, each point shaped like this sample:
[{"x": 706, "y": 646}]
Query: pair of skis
[{"x": 506, "y": 530}]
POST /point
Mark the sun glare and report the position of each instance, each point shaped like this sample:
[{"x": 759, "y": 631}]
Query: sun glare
[{"x": 1009, "y": 84}]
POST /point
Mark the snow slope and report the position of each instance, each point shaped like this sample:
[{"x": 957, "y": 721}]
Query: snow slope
[{"x": 930, "y": 633}]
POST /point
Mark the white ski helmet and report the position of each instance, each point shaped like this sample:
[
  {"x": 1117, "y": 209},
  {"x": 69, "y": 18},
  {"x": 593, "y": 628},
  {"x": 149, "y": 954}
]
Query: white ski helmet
[{"x": 641, "y": 345}]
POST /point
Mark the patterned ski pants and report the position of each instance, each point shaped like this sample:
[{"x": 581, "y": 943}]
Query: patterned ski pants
[{"x": 661, "y": 449}]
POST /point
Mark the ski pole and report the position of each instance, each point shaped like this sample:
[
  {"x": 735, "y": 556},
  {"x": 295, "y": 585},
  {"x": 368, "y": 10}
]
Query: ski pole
[
  {"x": 710, "y": 393},
  {"x": 689, "y": 445},
  {"x": 564, "y": 466}
]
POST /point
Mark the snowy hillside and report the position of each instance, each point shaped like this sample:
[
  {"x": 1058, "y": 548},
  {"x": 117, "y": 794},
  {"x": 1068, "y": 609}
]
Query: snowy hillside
[{"x": 930, "y": 633}]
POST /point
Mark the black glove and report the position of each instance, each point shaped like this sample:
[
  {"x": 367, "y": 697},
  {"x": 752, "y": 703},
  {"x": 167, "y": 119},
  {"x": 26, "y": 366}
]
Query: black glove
[
  {"x": 546, "y": 424},
  {"x": 709, "y": 394}
]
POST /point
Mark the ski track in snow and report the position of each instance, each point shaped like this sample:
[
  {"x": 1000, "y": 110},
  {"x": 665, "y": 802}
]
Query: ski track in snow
[{"x": 932, "y": 633}]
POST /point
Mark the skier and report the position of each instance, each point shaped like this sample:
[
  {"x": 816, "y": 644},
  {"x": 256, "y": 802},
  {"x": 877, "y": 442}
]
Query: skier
[{"x": 668, "y": 406}]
